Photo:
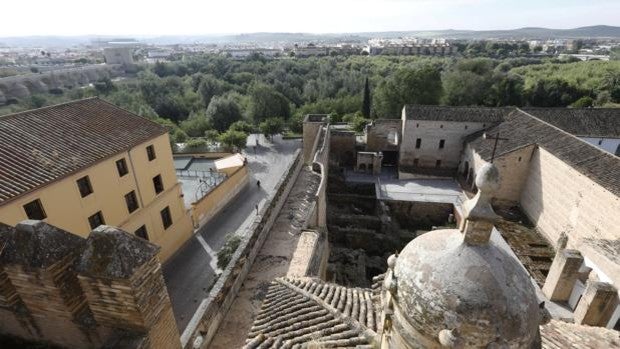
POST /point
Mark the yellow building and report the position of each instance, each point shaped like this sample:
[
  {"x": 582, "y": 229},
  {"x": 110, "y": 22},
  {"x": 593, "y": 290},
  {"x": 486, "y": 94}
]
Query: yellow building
[{"x": 85, "y": 163}]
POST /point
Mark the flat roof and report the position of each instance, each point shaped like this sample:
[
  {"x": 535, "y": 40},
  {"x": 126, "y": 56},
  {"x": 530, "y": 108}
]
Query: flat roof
[{"x": 420, "y": 190}]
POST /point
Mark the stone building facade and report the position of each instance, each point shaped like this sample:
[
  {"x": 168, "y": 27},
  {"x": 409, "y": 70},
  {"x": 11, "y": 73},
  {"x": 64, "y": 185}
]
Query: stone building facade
[{"x": 432, "y": 137}]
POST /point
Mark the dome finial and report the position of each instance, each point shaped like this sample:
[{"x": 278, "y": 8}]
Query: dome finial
[{"x": 478, "y": 215}]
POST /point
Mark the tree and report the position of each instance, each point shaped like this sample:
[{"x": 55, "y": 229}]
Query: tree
[
  {"x": 210, "y": 87},
  {"x": 104, "y": 86},
  {"x": 196, "y": 144},
  {"x": 553, "y": 93},
  {"x": 417, "y": 85},
  {"x": 242, "y": 126},
  {"x": 366, "y": 101},
  {"x": 583, "y": 102},
  {"x": 212, "y": 136},
  {"x": 266, "y": 102},
  {"x": 235, "y": 140},
  {"x": 272, "y": 126},
  {"x": 223, "y": 111},
  {"x": 195, "y": 125},
  {"x": 179, "y": 136}
]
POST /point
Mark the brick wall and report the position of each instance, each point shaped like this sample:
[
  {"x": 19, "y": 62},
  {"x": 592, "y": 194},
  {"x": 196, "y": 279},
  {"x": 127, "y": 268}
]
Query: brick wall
[{"x": 379, "y": 132}]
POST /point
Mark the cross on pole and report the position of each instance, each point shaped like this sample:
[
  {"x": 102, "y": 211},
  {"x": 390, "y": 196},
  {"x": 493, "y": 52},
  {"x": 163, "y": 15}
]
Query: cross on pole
[{"x": 496, "y": 138}]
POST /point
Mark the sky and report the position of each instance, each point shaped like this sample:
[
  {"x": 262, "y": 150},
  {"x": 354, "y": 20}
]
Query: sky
[{"x": 194, "y": 17}]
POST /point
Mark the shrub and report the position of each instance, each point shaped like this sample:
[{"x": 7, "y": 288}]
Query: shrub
[{"x": 225, "y": 254}]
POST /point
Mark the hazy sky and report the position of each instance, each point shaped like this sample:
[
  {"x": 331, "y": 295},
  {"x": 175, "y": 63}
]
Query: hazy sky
[{"x": 172, "y": 17}]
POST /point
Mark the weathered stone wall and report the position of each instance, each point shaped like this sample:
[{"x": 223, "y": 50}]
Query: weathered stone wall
[
  {"x": 312, "y": 124},
  {"x": 513, "y": 169},
  {"x": 383, "y": 135},
  {"x": 213, "y": 309},
  {"x": 431, "y": 133},
  {"x": 342, "y": 148},
  {"x": 49, "y": 293},
  {"x": 557, "y": 198}
]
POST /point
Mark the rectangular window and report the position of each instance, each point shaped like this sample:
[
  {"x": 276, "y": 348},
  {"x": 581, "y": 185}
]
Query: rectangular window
[
  {"x": 84, "y": 186},
  {"x": 34, "y": 210},
  {"x": 438, "y": 163},
  {"x": 141, "y": 232},
  {"x": 121, "y": 166},
  {"x": 96, "y": 220},
  {"x": 418, "y": 143},
  {"x": 132, "y": 201},
  {"x": 158, "y": 184},
  {"x": 150, "y": 152},
  {"x": 442, "y": 143},
  {"x": 166, "y": 218},
  {"x": 416, "y": 162}
]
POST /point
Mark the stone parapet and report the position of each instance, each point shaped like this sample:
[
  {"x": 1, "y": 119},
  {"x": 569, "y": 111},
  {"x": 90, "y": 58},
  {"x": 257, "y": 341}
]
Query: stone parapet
[{"x": 104, "y": 291}]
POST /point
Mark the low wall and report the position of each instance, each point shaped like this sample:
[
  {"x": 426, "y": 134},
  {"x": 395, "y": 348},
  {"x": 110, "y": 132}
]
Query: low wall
[
  {"x": 207, "y": 319},
  {"x": 204, "y": 155},
  {"x": 219, "y": 196}
]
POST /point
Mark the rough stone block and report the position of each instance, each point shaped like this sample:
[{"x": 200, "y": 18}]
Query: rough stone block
[
  {"x": 597, "y": 304},
  {"x": 562, "y": 275}
]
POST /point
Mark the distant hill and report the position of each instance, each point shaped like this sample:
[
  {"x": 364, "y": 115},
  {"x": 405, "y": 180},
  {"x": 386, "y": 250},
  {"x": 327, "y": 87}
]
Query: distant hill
[{"x": 597, "y": 31}]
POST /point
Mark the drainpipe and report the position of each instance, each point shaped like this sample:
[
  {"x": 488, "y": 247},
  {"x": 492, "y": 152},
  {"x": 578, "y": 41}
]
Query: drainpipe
[{"x": 133, "y": 172}]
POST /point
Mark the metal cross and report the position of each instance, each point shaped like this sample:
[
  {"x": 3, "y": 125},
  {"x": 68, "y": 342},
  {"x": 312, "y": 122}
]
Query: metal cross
[{"x": 496, "y": 138}]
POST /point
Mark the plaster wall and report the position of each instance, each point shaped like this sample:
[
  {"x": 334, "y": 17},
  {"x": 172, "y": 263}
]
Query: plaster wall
[
  {"x": 207, "y": 207},
  {"x": 66, "y": 209}
]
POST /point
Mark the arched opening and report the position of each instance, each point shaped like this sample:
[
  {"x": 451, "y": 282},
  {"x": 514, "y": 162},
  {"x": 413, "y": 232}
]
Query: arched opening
[{"x": 362, "y": 167}]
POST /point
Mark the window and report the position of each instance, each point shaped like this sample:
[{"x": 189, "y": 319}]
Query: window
[
  {"x": 442, "y": 143},
  {"x": 466, "y": 127},
  {"x": 600, "y": 142},
  {"x": 519, "y": 159},
  {"x": 417, "y": 125},
  {"x": 132, "y": 201},
  {"x": 158, "y": 184},
  {"x": 34, "y": 210},
  {"x": 415, "y": 162},
  {"x": 438, "y": 164},
  {"x": 141, "y": 232},
  {"x": 440, "y": 126},
  {"x": 96, "y": 220},
  {"x": 84, "y": 186},
  {"x": 150, "y": 152},
  {"x": 166, "y": 218},
  {"x": 121, "y": 166},
  {"x": 418, "y": 143}
]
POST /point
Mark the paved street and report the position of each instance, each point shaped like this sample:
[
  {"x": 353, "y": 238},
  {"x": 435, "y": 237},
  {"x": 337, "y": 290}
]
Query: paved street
[{"x": 190, "y": 273}]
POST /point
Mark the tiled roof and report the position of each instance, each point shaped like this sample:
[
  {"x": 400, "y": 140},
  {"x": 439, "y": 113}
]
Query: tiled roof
[
  {"x": 298, "y": 313},
  {"x": 563, "y": 335},
  {"x": 462, "y": 114},
  {"x": 523, "y": 129},
  {"x": 304, "y": 311},
  {"x": 592, "y": 122},
  {"x": 43, "y": 145}
]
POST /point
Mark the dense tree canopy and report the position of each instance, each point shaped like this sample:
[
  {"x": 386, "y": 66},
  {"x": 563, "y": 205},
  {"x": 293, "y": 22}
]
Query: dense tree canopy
[{"x": 204, "y": 93}]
